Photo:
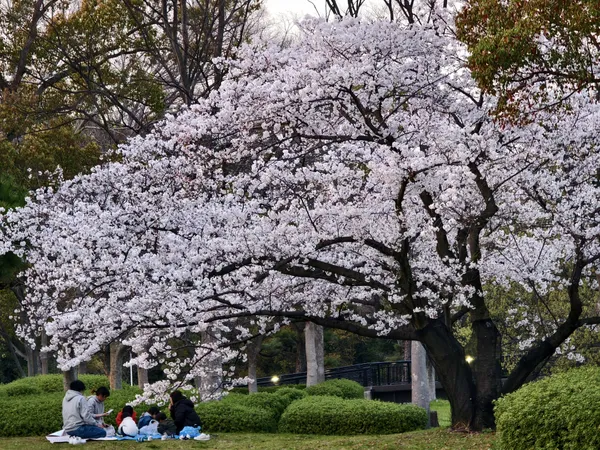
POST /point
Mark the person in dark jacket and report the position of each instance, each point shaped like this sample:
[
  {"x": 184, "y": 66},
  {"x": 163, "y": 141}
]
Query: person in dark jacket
[
  {"x": 165, "y": 426},
  {"x": 183, "y": 412}
]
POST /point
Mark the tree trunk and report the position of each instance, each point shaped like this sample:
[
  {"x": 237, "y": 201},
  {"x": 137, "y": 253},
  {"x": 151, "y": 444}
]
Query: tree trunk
[
  {"x": 431, "y": 377},
  {"x": 252, "y": 352},
  {"x": 68, "y": 377},
  {"x": 211, "y": 382},
  {"x": 83, "y": 367},
  {"x": 44, "y": 355},
  {"x": 142, "y": 375},
  {"x": 300, "y": 347},
  {"x": 487, "y": 371},
  {"x": 117, "y": 352},
  {"x": 315, "y": 354},
  {"x": 419, "y": 377},
  {"x": 453, "y": 371},
  {"x": 13, "y": 350},
  {"x": 32, "y": 361}
]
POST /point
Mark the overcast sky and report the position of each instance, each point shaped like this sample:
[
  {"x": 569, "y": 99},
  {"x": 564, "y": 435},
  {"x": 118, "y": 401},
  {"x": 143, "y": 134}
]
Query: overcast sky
[{"x": 293, "y": 7}]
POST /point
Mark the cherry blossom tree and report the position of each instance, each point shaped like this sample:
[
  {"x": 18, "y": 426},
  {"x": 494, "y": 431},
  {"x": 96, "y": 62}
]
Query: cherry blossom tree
[{"x": 354, "y": 180}]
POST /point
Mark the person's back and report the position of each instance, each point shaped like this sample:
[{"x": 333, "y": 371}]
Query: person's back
[
  {"x": 183, "y": 412},
  {"x": 77, "y": 419},
  {"x": 128, "y": 426},
  {"x": 148, "y": 416}
]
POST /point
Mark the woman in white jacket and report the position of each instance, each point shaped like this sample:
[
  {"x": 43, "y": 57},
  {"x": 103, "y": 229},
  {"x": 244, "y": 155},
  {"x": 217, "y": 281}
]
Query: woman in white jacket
[{"x": 128, "y": 426}]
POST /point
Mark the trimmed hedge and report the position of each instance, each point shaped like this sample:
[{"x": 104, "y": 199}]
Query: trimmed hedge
[
  {"x": 231, "y": 417},
  {"x": 24, "y": 414},
  {"x": 45, "y": 384},
  {"x": 561, "y": 411},
  {"x": 337, "y": 388},
  {"x": 291, "y": 394},
  {"x": 333, "y": 415},
  {"x": 244, "y": 390},
  {"x": 274, "y": 404}
]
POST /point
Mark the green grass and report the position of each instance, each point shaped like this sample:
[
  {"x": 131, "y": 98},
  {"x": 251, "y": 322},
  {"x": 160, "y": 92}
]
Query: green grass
[
  {"x": 443, "y": 409},
  {"x": 434, "y": 439}
]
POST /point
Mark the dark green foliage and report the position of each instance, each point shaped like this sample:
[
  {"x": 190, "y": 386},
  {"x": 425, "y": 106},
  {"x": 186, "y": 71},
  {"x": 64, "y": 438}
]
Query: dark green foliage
[
  {"x": 561, "y": 411},
  {"x": 338, "y": 388},
  {"x": 333, "y": 415},
  {"x": 270, "y": 402},
  {"x": 231, "y": 417}
]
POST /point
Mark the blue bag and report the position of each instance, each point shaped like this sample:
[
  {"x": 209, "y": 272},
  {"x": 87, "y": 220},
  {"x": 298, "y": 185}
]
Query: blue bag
[{"x": 192, "y": 432}]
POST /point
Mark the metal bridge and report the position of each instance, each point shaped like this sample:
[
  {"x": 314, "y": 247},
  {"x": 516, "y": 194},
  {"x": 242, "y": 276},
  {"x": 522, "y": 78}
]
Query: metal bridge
[{"x": 388, "y": 381}]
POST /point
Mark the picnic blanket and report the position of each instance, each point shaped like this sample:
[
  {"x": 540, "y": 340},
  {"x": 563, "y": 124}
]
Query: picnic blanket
[{"x": 60, "y": 437}]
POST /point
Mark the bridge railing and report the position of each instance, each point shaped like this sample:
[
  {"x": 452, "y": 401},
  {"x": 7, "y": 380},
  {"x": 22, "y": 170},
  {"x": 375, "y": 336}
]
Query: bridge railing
[{"x": 368, "y": 374}]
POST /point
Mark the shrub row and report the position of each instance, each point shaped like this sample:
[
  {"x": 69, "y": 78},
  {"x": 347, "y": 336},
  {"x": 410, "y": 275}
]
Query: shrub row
[
  {"x": 561, "y": 411},
  {"x": 41, "y": 414},
  {"x": 333, "y": 415},
  {"x": 45, "y": 384},
  {"x": 32, "y": 407}
]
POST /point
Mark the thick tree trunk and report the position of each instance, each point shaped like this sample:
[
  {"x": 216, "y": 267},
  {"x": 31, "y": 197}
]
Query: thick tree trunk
[
  {"x": 68, "y": 377},
  {"x": 419, "y": 376},
  {"x": 487, "y": 371},
  {"x": 454, "y": 373},
  {"x": 315, "y": 354},
  {"x": 252, "y": 353},
  {"x": 117, "y": 352}
]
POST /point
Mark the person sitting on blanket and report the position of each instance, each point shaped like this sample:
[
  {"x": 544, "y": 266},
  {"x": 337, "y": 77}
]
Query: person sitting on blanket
[
  {"x": 165, "y": 426},
  {"x": 183, "y": 412},
  {"x": 77, "y": 417},
  {"x": 96, "y": 405},
  {"x": 148, "y": 416},
  {"x": 119, "y": 417},
  {"x": 127, "y": 426}
]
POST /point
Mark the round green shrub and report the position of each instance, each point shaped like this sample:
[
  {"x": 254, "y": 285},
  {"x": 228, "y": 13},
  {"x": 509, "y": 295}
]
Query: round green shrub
[
  {"x": 339, "y": 388},
  {"x": 272, "y": 403},
  {"x": 292, "y": 394},
  {"x": 21, "y": 389},
  {"x": 231, "y": 417},
  {"x": 561, "y": 411},
  {"x": 334, "y": 415},
  {"x": 32, "y": 415}
]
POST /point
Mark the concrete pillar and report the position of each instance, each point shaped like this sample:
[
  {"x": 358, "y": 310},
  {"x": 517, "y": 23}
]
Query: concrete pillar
[
  {"x": 420, "y": 377},
  {"x": 315, "y": 354}
]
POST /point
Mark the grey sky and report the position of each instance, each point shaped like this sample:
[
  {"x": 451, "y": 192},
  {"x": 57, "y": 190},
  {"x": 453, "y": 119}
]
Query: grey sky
[{"x": 292, "y": 7}]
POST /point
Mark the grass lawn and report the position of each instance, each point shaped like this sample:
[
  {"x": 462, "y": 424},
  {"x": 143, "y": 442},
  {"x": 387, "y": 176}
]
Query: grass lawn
[
  {"x": 434, "y": 439},
  {"x": 443, "y": 409}
]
